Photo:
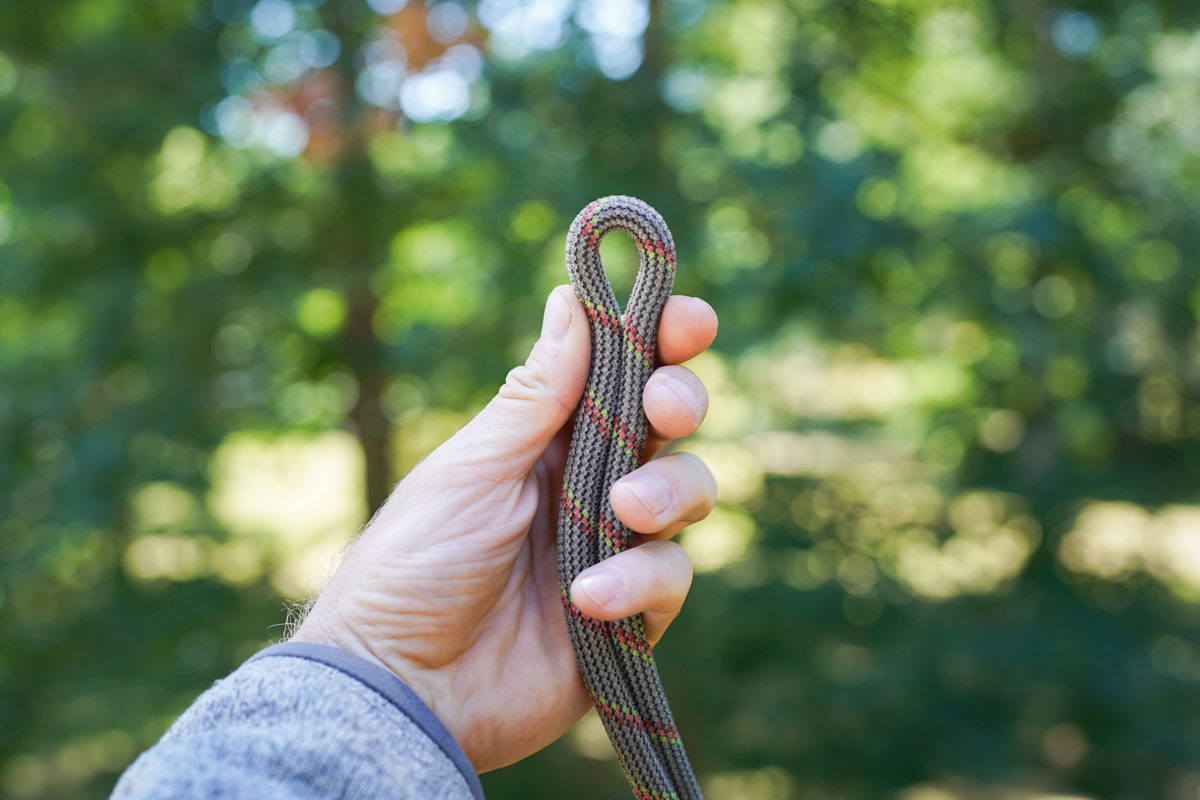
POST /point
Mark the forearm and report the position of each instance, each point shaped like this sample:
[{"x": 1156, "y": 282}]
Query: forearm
[{"x": 289, "y": 726}]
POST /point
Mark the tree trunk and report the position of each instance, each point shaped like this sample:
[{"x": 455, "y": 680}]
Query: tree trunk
[
  {"x": 364, "y": 355},
  {"x": 374, "y": 434}
]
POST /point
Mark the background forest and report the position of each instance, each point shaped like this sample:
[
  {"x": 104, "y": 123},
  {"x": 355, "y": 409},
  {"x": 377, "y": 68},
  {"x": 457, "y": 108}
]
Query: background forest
[{"x": 256, "y": 259}]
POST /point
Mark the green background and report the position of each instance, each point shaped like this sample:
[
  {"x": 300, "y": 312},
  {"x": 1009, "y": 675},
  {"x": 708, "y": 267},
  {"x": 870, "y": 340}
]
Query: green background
[{"x": 954, "y": 419}]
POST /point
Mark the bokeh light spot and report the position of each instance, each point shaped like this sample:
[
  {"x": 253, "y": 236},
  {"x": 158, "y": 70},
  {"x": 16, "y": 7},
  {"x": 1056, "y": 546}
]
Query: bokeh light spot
[{"x": 321, "y": 312}]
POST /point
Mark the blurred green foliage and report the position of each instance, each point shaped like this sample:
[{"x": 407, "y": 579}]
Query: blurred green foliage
[{"x": 257, "y": 259}]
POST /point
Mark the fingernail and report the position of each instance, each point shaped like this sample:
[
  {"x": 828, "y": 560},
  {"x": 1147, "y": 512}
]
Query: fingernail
[
  {"x": 557, "y": 317},
  {"x": 654, "y": 491},
  {"x": 600, "y": 586},
  {"x": 688, "y": 395}
]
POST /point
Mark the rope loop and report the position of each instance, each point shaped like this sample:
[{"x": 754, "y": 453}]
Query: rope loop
[{"x": 615, "y": 658}]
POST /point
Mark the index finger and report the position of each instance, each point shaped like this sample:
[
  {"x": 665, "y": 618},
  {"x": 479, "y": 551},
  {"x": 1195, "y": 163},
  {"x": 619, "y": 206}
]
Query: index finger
[{"x": 687, "y": 327}]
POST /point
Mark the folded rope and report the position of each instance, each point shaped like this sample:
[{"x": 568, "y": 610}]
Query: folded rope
[{"x": 615, "y": 658}]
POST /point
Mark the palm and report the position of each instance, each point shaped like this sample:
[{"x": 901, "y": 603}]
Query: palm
[
  {"x": 520, "y": 669},
  {"x": 469, "y": 589}
]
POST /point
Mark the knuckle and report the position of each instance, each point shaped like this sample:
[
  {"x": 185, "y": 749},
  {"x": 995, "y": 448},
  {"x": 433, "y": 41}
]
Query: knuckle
[
  {"x": 526, "y": 382},
  {"x": 532, "y": 382}
]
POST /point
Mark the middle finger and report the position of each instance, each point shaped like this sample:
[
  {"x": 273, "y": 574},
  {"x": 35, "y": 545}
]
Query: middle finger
[{"x": 675, "y": 401}]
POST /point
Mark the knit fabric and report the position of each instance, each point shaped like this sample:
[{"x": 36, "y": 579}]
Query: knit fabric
[
  {"x": 292, "y": 728},
  {"x": 615, "y": 658}
]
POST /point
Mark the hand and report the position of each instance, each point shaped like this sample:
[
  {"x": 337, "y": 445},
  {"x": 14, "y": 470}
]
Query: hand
[{"x": 454, "y": 584}]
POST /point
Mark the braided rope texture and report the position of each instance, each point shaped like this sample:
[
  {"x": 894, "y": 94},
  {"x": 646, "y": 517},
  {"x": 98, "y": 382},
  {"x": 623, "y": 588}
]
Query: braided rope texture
[{"x": 610, "y": 431}]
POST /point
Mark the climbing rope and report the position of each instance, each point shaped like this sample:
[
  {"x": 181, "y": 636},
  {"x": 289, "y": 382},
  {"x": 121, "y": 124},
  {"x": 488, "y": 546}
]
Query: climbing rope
[{"x": 610, "y": 431}]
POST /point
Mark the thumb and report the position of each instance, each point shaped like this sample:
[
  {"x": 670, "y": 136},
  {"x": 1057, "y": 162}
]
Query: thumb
[{"x": 539, "y": 396}]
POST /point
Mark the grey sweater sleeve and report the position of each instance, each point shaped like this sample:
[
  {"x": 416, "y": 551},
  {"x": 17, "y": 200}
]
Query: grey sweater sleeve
[{"x": 308, "y": 722}]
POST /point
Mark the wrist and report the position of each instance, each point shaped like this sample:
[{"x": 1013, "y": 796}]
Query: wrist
[{"x": 318, "y": 629}]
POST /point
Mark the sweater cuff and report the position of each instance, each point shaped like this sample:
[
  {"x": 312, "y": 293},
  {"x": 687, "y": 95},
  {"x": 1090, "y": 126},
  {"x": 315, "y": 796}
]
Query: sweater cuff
[{"x": 391, "y": 688}]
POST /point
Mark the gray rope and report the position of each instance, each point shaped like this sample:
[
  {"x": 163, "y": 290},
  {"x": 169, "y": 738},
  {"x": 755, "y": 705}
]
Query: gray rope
[{"x": 610, "y": 431}]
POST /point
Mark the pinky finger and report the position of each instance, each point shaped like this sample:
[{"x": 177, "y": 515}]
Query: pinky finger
[{"x": 652, "y": 579}]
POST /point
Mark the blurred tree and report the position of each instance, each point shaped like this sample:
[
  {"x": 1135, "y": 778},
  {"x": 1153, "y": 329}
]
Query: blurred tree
[{"x": 258, "y": 258}]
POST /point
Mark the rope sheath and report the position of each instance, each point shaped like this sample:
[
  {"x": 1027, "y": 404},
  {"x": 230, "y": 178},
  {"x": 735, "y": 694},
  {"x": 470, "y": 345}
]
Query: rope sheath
[{"x": 615, "y": 658}]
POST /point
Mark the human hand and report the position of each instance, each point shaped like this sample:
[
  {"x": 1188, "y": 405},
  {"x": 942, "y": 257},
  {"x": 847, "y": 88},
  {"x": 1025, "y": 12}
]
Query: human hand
[{"x": 454, "y": 584}]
